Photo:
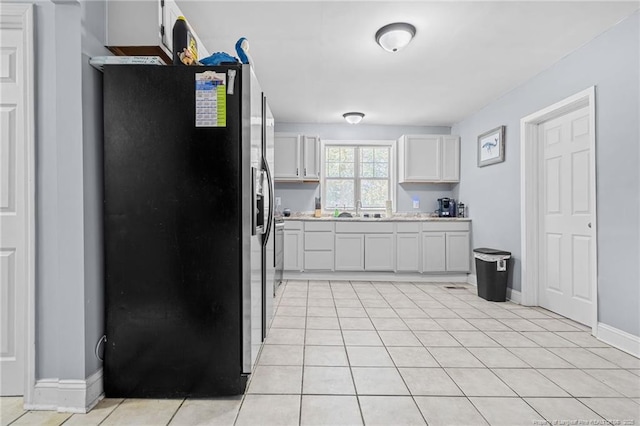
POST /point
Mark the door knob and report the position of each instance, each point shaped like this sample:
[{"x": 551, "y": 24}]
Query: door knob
[{"x": 589, "y": 225}]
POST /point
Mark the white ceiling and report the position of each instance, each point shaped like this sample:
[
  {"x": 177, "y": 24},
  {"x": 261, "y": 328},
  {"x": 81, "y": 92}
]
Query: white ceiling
[{"x": 318, "y": 59}]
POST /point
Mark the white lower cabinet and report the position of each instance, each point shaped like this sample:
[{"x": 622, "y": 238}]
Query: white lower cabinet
[
  {"x": 292, "y": 246},
  {"x": 318, "y": 246},
  {"x": 433, "y": 252},
  {"x": 427, "y": 246},
  {"x": 379, "y": 252},
  {"x": 445, "y": 246},
  {"x": 458, "y": 251},
  {"x": 349, "y": 252},
  {"x": 408, "y": 252}
]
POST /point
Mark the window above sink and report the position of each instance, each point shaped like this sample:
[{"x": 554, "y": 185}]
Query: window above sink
[{"x": 355, "y": 171}]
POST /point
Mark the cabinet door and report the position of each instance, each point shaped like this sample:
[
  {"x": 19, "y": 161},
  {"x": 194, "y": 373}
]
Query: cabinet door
[
  {"x": 311, "y": 163},
  {"x": 458, "y": 251},
  {"x": 433, "y": 252},
  {"x": 349, "y": 252},
  {"x": 450, "y": 158},
  {"x": 287, "y": 157},
  {"x": 318, "y": 260},
  {"x": 408, "y": 252},
  {"x": 292, "y": 250},
  {"x": 379, "y": 253},
  {"x": 421, "y": 158}
]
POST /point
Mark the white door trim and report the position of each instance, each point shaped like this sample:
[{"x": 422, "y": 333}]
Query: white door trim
[
  {"x": 529, "y": 188},
  {"x": 20, "y": 16}
]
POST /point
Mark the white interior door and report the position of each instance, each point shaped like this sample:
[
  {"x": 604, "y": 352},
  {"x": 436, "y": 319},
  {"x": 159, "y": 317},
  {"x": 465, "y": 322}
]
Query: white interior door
[
  {"x": 566, "y": 234},
  {"x": 14, "y": 206}
]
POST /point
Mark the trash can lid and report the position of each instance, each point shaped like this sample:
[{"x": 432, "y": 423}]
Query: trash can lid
[{"x": 492, "y": 251}]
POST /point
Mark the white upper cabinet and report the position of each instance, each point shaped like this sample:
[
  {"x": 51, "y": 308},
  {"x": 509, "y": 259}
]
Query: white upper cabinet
[
  {"x": 311, "y": 156},
  {"x": 428, "y": 158},
  {"x": 450, "y": 158},
  {"x": 145, "y": 28},
  {"x": 297, "y": 157},
  {"x": 287, "y": 157}
]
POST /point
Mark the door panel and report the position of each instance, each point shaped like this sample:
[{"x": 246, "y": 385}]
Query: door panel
[
  {"x": 14, "y": 218},
  {"x": 566, "y": 260},
  {"x": 554, "y": 260},
  {"x": 581, "y": 265},
  {"x": 580, "y": 199}
]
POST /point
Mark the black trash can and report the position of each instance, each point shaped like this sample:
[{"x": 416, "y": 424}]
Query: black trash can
[{"x": 492, "y": 270}]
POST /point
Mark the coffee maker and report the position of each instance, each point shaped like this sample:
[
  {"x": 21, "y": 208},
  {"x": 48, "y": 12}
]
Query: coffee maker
[{"x": 446, "y": 207}]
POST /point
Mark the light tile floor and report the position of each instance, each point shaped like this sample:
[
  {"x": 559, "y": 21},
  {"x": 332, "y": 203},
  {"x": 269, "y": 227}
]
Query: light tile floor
[{"x": 353, "y": 353}]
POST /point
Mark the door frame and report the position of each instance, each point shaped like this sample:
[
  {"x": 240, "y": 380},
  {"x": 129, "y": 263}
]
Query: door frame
[
  {"x": 530, "y": 187},
  {"x": 20, "y": 16}
]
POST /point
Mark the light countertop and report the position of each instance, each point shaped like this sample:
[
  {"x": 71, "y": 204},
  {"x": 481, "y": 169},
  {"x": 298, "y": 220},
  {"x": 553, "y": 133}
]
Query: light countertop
[{"x": 399, "y": 217}]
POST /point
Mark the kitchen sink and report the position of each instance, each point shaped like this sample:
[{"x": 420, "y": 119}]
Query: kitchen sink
[{"x": 345, "y": 214}]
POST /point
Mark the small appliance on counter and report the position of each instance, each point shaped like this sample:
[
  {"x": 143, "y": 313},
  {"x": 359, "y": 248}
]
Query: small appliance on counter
[
  {"x": 461, "y": 209},
  {"x": 446, "y": 207}
]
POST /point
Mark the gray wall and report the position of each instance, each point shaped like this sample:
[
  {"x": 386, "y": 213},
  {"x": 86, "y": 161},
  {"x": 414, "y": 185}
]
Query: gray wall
[
  {"x": 300, "y": 196},
  {"x": 611, "y": 63},
  {"x": 69, "y": 301},
  {"x": 59, "y": 188},
  {"x": 93, "y": 41}
]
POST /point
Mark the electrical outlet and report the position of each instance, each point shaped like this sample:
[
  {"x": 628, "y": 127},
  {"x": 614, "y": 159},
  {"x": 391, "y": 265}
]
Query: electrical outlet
[
  {"x": 416, "y": 203},
  {"x": 278, "y": 201}
]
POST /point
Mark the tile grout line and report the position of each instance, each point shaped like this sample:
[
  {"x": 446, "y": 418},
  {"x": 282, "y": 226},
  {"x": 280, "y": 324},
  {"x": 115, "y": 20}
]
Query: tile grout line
[
  {"x": 112, "y": 411},
  {"x": 344, "y": 345},
  {"x": 176, "y": 412},
  {"x": 304, "y": 351}
]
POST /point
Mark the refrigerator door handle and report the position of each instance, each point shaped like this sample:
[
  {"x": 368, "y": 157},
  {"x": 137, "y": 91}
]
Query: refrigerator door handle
[
  {"x": 271, "y": 201},
  {"x": 269, "y": 223}
]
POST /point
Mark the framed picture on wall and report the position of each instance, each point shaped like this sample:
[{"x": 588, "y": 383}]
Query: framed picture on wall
[{"x": 491, "y": 147}]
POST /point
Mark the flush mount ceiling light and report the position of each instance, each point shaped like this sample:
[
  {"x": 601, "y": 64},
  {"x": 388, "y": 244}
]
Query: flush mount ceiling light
[
  {"x": 353, "y": 117},
  {"x": 396, "y": 36}
]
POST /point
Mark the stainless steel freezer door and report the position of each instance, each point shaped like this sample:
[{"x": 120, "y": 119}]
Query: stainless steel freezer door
[
  {"x": 252, "y": 130},
  {"x": 269, "y": 246}
]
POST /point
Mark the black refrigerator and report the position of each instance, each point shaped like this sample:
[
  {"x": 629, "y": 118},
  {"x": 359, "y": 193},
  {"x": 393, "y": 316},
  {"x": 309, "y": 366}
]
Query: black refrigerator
[{"x": 188, "y": 223}]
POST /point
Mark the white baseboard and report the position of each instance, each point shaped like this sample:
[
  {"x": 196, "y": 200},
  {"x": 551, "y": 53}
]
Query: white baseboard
[
  {"x": 376, "y": 276},
  {"x": 67, "y": 396},
  {"x": 619, "y": 339},
  {"x": 472, "y": 279},
  {"x": 514, "y": 296}
]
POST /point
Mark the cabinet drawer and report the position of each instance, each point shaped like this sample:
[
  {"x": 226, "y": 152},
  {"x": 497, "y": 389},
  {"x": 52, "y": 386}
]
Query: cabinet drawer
[
  {"x": 318, "y": 240},
  {"x": 318, "y": 260},
  {"x": 445, "y": 226},
  {"x": 293, "y": 225},
  {"x": 408, "y": 227},
  {"x": 364, "y": 227},
  {"x": 318, "y": 226}
]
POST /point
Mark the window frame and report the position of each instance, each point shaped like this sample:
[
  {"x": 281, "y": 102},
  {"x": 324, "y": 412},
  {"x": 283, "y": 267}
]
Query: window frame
[{"x": 393, "y": 181}]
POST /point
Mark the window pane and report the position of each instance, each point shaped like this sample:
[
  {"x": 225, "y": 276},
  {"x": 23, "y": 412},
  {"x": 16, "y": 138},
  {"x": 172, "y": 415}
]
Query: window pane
[
  {"x": 333, "y": 169},
  {"x": 340, "y": 193},
  {"x": 366, "y": 170},
  {"x": 347, "y": 170},
  {"x": 374, "y": 193},
  {"x": 382, "y": 155},
  {"x": 382, "y": 170},
  {"x": 333, "y": 153},
  {"x": 366, "y": 155},
  {"x": 347, "y": 155}
]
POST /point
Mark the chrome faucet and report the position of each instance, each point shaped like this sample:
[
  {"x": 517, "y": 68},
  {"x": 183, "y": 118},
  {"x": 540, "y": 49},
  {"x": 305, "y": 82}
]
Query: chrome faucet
[{"x": 358, "y": 207}]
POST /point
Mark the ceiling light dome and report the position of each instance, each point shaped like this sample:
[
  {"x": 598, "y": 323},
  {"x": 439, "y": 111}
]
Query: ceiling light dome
[
  {"x": 353, "y": 117},
  {"x": 394, "y": 37}
]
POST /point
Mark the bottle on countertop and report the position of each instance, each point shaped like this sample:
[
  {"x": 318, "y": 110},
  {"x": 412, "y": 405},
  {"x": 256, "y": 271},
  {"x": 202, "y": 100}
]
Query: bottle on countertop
[{"x": 185, "y": 46}]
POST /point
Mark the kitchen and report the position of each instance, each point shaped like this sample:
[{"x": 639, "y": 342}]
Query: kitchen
[{"x": 496, "y": 219}]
